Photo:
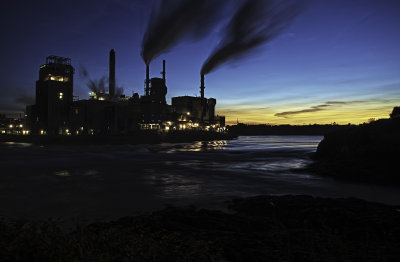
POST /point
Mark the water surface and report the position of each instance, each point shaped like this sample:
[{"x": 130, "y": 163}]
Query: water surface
[{"x": 106, "y": 182}]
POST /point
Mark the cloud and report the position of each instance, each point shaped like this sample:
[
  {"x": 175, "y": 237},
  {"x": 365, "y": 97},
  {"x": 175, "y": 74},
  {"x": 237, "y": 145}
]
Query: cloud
[
  {"x": 316, "y": 108},
  {"x": 24, "y": 100}
]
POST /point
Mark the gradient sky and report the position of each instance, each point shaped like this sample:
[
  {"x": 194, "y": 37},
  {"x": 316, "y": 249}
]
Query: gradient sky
[{"x": 339, "y": 61}]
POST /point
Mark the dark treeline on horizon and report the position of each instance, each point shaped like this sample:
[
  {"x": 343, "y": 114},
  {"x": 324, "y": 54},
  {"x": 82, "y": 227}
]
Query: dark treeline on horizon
[{"x": 267, "y": 129}]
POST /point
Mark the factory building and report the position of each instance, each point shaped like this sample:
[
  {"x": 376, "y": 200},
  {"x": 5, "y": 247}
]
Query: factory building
[
  {"x": 54, "y": 95},
  {"x": 12, "y": 126},
  {"x": 57, "y": 113}
]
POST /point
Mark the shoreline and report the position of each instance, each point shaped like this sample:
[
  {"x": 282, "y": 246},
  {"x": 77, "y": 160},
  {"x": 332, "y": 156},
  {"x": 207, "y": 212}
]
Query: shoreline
[{"x": 133, "y": 139}]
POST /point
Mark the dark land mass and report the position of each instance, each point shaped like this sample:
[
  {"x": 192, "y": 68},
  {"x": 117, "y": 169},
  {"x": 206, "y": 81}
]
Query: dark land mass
[
  {"x": 367, "y": 153},
  {"x": 140, "y": 137},
  {"x": 263, "y": 228},
  {"x": 280, "y": 130}
]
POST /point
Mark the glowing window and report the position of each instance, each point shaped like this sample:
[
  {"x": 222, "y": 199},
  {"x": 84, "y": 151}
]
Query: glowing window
[{"x": 57, "y": 78}]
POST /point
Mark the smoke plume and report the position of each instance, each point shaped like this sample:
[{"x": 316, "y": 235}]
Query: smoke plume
[
  {"x": 175, "y": 20},
  {"x": 24, "y": 100},
  {"x": 119, "y": 91},
  {"x": 98, "y": 86},
  {"x": 255, "y": 23}
]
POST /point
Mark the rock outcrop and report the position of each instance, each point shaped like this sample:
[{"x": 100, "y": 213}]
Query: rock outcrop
[{"x": 367, "y": 153}]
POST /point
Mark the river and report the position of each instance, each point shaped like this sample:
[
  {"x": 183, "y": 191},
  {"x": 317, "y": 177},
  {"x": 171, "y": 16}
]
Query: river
[{"x": 106, "y": 182}]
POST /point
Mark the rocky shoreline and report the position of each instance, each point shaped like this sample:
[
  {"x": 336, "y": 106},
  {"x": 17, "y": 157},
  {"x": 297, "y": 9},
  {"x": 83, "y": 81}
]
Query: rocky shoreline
[
  {"x": 367, "y": 153},
  {"x": 263, "y": 228}
]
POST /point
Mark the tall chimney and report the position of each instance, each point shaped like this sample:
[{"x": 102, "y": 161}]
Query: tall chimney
[
  {"x": 147, "y": 90},
  {"x": 202, "y": 86},
  {"x": 111, "y": 78},
  {"x": 203, "y": 102},
  {"x": 163, "y": 71}
]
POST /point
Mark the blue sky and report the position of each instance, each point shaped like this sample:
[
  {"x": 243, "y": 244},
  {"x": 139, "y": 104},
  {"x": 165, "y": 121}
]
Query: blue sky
[{"x": 345, "y": 52}]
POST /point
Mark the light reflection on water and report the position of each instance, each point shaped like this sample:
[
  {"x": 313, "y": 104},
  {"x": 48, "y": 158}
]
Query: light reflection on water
[
  {"x": 16, "y": 144},
  {"x": 197, "y": 146},
  {"x": 63, "y": 173},
  {"x": 116, "y": 180}
]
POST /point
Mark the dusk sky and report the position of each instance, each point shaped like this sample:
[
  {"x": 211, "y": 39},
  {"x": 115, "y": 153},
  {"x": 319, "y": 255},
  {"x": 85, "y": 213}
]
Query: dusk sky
[{"x": 338, "y": 61}]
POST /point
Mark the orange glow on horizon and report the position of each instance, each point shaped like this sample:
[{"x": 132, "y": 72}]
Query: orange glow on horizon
[{"x": 343, "y": 115}]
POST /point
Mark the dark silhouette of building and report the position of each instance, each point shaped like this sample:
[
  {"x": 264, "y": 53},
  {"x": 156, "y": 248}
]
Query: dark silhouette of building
[
  {"x": 54, "y": 96},
  {"x": 12, "y": 126},
  {"x": 56, "y": 112}
]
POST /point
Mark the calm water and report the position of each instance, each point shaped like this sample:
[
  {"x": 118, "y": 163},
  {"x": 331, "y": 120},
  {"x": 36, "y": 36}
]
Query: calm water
[{"x": 106, "y": 182}]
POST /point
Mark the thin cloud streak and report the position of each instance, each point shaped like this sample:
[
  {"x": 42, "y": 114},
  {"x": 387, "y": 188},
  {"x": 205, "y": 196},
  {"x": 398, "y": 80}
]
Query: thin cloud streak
[{"x": 316, "y": 108}]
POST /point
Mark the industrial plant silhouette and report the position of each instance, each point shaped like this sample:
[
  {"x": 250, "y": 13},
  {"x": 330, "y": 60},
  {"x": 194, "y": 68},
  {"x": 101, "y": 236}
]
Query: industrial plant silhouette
[{"x": 57, "y": 112}]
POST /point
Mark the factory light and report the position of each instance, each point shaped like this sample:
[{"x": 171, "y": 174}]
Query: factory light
[
  {"x": 42, "y": 132},
  {"x": 57, "y": 78},
  {"x": 61, "y": 96},
  {"x": 10, "y": 126},
  {"x": 188, "y": 113},
  {"x": 21, "y": 125}
]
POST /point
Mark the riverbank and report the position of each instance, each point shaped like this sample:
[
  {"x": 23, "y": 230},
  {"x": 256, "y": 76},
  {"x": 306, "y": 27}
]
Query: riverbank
[
  {"x": 284, "y": 130},
  {"x": 141, "y": 137},
  {"x": 263, "y": 228},
  {"x": 366, "y": 153}
]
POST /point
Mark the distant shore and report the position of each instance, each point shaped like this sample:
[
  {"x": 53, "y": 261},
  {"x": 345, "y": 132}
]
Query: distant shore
[
  {"x": 141, "y": 137},
  {"x": 263, "y": 228},
  {"x": 284, "y": 130}
]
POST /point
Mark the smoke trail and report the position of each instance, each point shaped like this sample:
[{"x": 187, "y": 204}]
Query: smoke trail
[
  {"x": 24, "y": 99},
  {"x": 119, "y": 90},
  {"x": 98, "y": 86},
  {"x": 175, "y": 20},
  {"x": 255, "y": 23}
]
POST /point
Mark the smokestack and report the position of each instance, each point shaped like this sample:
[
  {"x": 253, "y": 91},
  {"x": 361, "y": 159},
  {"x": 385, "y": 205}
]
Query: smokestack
[
  {"x": 202, "y": 86},
  {"x": 203, "y": 113},
  {"x": 147, "y": 90},
  {"x": 111, "y": 78},
  {"x": 163, "y": 71}
]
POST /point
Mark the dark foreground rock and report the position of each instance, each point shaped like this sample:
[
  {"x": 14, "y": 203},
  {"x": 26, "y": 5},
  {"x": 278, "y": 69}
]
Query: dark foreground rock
[
  {"x": 367, "y": 153},
  {"x": 265, "y": 228}
]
